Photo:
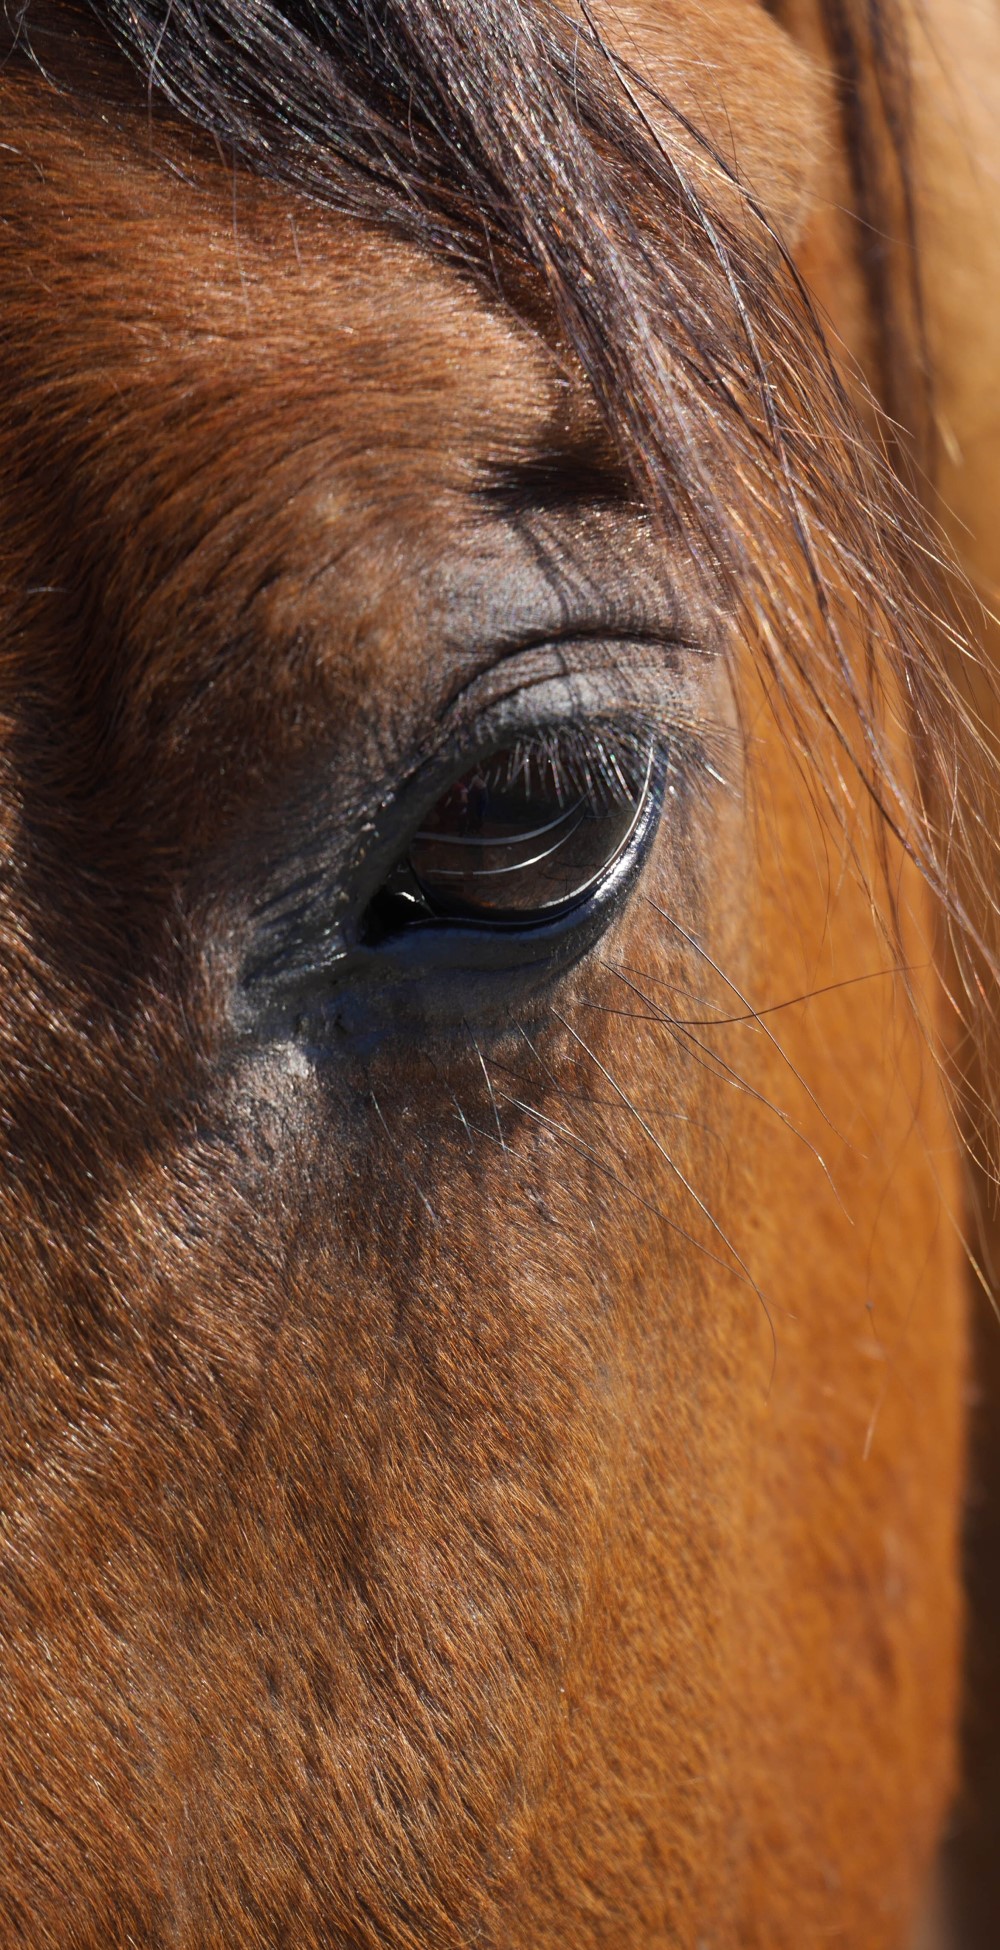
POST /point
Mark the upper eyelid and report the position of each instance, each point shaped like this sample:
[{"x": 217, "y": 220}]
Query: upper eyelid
[
  {"x": 471, "y": 729},
  {"x": 542, "y": 659}
]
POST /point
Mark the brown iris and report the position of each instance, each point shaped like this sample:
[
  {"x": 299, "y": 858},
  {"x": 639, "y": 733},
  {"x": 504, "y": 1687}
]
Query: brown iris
[{"x": 525, "y": 834}]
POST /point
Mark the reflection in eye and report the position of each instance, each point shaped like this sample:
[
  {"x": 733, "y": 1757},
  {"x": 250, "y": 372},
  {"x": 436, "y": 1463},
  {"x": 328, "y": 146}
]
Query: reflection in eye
[{"x": 529, "y": 832}]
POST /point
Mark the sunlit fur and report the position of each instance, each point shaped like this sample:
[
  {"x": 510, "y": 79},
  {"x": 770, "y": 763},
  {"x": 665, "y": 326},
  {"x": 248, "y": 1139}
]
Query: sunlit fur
[{"x": 501, "y": 1487}]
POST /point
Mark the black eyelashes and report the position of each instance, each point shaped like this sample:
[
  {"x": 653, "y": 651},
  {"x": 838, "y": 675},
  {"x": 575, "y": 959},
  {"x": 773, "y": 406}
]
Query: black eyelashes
[
  {"x": 524, "y": 836},
  {"x": 479, "y": 888}
]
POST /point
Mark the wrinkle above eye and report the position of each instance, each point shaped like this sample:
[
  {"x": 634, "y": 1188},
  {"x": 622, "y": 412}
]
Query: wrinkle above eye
[{"x": 551, "y": 574}]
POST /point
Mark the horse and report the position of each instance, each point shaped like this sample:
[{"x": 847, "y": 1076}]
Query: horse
[{"x": 499, "y": 808}]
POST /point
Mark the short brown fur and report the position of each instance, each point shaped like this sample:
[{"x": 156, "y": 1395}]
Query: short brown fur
[{"x": 503, "y": 1489}]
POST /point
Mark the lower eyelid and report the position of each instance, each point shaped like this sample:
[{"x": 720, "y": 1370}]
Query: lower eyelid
[
  {"x": 434, "y": 973},
  {"x": 326, "y": 908}
]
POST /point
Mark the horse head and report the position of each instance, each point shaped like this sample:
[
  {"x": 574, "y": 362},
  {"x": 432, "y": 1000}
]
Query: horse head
[{"x": 485, "y": 778}]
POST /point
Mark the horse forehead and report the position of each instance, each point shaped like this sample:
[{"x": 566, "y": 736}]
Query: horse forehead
[
  {"x": 160, "y": 265},
  {"x": 150, "y": 270},
  {"x": 222, "y": 375},
  {"x": 214, "y": 256},
  {"x": 327, "y": 382}
]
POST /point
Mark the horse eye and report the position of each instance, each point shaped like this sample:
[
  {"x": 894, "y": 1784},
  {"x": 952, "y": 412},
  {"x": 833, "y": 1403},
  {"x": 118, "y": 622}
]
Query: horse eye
[{"x": 523, "y": 836}]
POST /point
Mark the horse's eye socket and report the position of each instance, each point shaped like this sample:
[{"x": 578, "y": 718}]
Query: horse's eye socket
[{"x": 525, "y": 835}]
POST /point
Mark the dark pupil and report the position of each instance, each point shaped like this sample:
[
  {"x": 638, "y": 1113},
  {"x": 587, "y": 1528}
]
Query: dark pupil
[{"x": 522, "y": 835}]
